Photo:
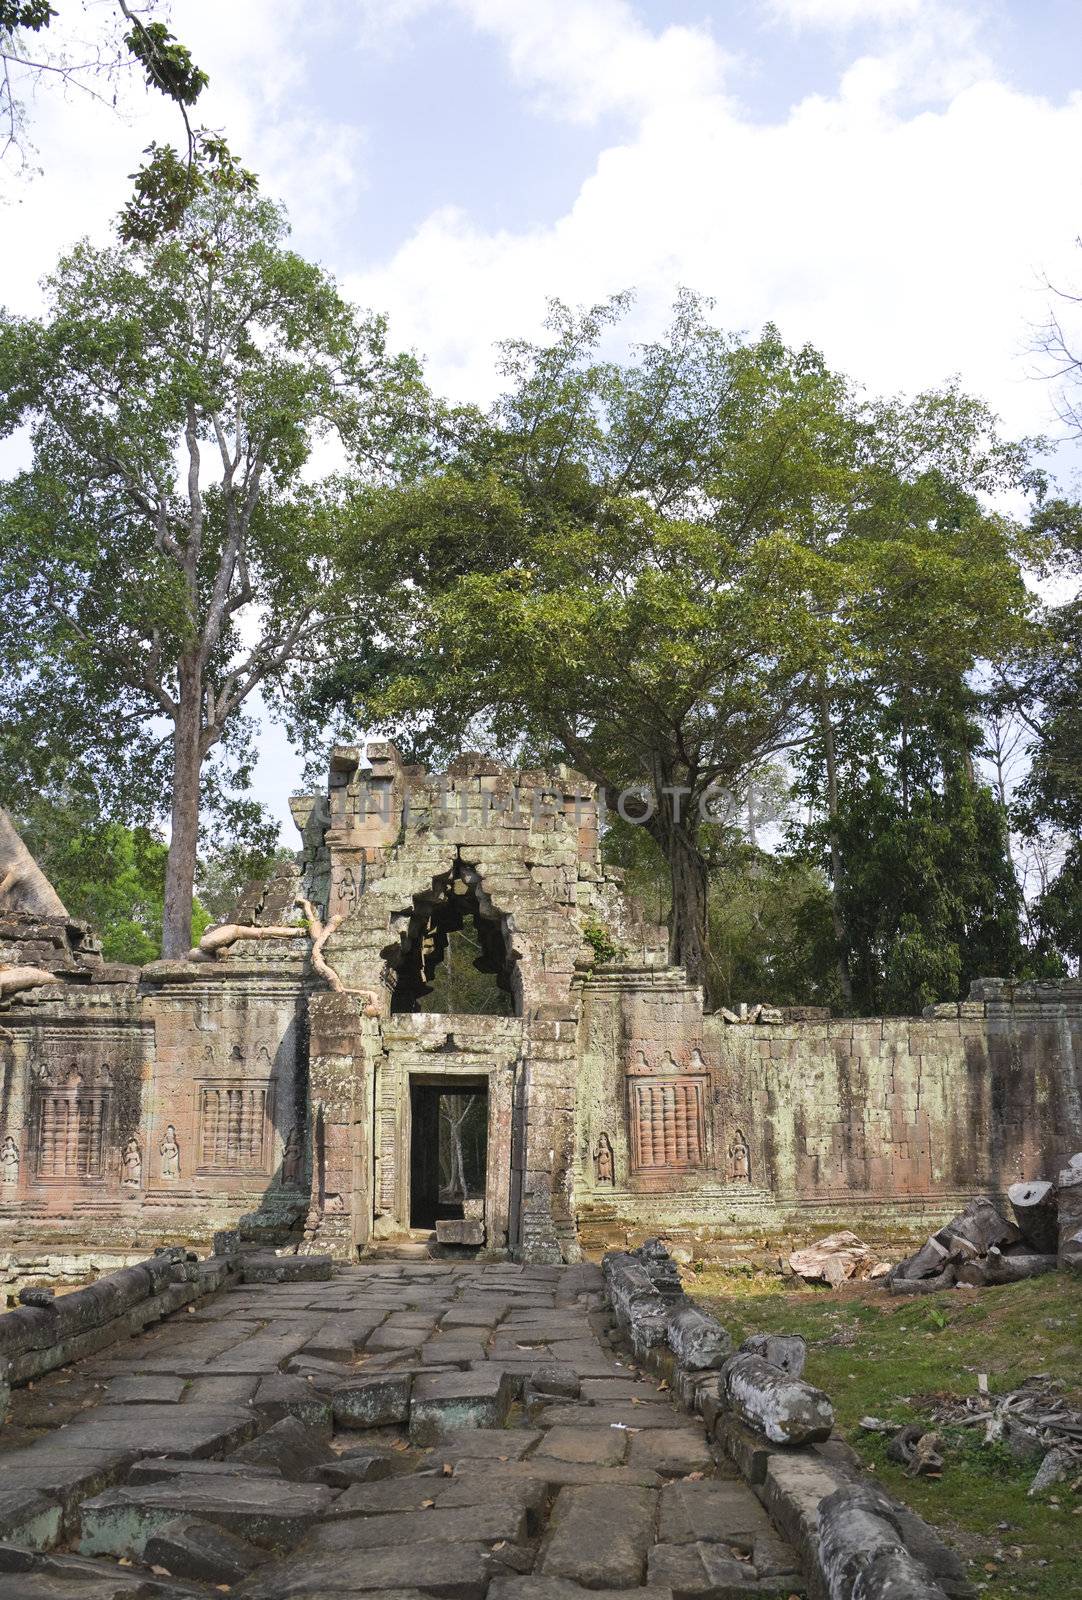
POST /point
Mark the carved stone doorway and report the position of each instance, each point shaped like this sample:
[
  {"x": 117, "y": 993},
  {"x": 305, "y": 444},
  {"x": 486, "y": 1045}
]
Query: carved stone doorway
[{"x": 448, "y": 1149}]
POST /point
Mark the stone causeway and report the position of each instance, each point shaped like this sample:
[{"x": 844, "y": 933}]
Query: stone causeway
[{"x": 404, "y": 1427}]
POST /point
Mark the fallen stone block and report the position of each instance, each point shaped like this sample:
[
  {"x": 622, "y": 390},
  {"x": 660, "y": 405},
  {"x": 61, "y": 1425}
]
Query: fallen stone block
[
  {"x": 862, "y": 1553},
  {"x": 284, "y": 1394},
  {"x": 266, "y": 1267},
  {"x": 366, "y": 1466},
  {"x": 461, "y": 1231},
  {"x": 288, "y": 1446},
  {"x": 928, "y": 1262},
  {"x": 897, "y": 1284},
  {"x": 981, "y": 1225},
  {"x": 190, "y": 1548},
  {"x": 443, "y": 1402},
  {"x": 784, "y": 1410},
  {"x": 699, "y": 1342},
  {"x": 1034, "y": 1205},
  {"x": 1068, "y": 1212},
  {"x": 599, "y": 1536},
  {"x": 785, "y": 1350},
  {"x": 266, "y": 1511},
  {"x": 374, "y": 1402},
  {"x": 1002, "y": 1268}
]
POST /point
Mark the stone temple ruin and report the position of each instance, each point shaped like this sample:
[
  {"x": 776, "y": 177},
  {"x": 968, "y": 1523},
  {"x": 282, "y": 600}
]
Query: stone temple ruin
[{"x": 294, "y": 1079}]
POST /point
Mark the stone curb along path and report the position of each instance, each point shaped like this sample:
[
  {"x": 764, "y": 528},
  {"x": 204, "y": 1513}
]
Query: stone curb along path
[
  {"x": 400, "y": 1428},
  {"x": 857, "y": 1543}
]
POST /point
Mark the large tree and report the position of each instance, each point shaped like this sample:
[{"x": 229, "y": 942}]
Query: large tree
[
  {"x": 651, "y": 568},
  {"x": 169, "y": 552}
]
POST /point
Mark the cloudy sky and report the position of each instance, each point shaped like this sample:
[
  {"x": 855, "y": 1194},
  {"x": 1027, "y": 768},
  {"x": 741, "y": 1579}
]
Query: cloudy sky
[{"x": 893, "y": 179}]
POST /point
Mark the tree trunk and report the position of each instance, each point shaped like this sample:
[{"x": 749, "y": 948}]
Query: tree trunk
[
  {"x": 688, "y": 939},
  {"x": 841, "y": 934},
  {"x": 184, "y": 834}
]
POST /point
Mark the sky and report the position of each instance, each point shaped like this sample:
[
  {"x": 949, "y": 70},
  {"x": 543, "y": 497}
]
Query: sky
[{"x": 897, "y": 181}]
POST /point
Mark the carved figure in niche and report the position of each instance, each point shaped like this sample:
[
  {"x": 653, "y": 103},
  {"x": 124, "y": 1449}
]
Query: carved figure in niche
[
  {"x": 697, "y": 1064},
  {"x": 169, "y": 1151},
  {"x": 739, "y": 1159},
  {"x": 604, "y": 1164},
  {"x": 132, "y": 1162},
  {"x": 291, "y": 1159},
  {"x": 668, "y": 1064},
  {"x": 9, "y": 1161}
]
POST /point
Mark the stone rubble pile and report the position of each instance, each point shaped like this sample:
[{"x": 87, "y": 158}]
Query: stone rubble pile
[
  {"x": 837, "y": 1259},
  {"x": 856, "y": 1541},
  {"x": 980, "y": 1246}
]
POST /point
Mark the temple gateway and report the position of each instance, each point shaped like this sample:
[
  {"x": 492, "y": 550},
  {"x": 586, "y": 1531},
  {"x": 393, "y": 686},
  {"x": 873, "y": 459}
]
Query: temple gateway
[{"x": 449, "y": 1020}]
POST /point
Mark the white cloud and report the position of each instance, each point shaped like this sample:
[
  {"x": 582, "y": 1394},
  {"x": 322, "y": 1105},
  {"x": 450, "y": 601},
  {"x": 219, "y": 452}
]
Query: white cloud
[
  {"x": 844, "y": 14},
  {"x": 589, "y": 58},
  {"x": 908, "y": 243}
]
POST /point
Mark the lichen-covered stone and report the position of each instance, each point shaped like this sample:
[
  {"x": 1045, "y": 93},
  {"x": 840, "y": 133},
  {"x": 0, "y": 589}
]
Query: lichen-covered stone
[{"x": 784, "y": 1410}]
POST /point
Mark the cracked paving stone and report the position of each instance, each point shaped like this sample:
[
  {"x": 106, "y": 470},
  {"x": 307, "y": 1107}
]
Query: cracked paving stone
[
  {"x": 478, "y": 1524},
  {"x": 600, "y": 1536},
  {"x": 452, "y": 1571}
]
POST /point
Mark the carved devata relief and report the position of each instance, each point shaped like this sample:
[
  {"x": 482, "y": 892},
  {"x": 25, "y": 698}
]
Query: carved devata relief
[
  {"x": 667, "y": 1112},
  {"x": 604, "y": 1161},
  {"x": 70, "y": 1112}
]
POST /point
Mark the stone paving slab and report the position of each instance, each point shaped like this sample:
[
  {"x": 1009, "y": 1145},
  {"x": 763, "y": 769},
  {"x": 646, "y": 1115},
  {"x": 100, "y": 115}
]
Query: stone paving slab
[
  {"x": 600, "y": 1536},
  {"x": 267, "y": 1511},
  {"x": 152, "y": 1430},
  {"x": 477, "y": 1524},
  {"x": 452, "y": 1571}
]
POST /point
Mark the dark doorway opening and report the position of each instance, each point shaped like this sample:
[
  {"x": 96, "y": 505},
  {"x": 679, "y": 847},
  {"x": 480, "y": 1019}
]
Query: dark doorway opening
[
  {"x": 448, "y": 1150},
  {"x": 455, "y": 956}
]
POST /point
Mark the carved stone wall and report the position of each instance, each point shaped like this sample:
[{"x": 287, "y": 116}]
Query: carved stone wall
[{"x": 140, "y": 1107}]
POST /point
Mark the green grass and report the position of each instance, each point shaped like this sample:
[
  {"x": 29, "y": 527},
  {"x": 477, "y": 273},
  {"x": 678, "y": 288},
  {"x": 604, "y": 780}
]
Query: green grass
[{"x": 891, "y": 1357}]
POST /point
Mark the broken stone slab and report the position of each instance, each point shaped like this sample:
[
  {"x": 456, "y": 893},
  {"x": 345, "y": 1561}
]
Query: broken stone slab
[
  {"x": 698, "y": 1341},
  {"x": 534, "y": 1587},
  {"x": 61, "y": 1473},
  {"x": 998, "y": 1267},
  {"x": 707, "y": 1571},
  {"x": 599, "y": 1536},
  {"x": 192, "y": 1548},
  {"x": 1069, "y": 1213},
  {"x": 450, "y": 1571},
  {"x": 156, "y": 1430},
  {"x": 711, "y": 1510},
  {"x": 31, "y": 1575},
  {"x": 263, "y": 1266},
  {"x": 288, "y": 1446},
  {"x": 981, "y": 1225},
  {"x": 671, "y": 1452},
  {"x": 550, "y": 1381},
  {"x": 785, "y": 1350},
  {"x": 373, "y": 1402},
  {"x": 266, "y": 1511},
  {"x": 477, "y": 1524},
  {"x": 784, "y": 1410},
  {"x": 897, "y": 1284},
  {"x": 862, "y": 1552},
  {"x": 365, "y": 1466},
  {"x": 928, "y": 1262},
  {"x": 461, "y": 1231},
  {"x": 31, "y": 1518},
  {"x": 443, "y": 1402},
  {"x": 1034, "y": 1205},
  {"x": 151, "y": 1389},
  {"x": 165, "y": 1468},
  {"x": 284, "y": 1394}
]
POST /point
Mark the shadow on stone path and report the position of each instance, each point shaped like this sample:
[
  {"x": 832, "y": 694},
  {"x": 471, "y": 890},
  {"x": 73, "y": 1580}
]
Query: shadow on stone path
[{"x": 404, "y": 1428}]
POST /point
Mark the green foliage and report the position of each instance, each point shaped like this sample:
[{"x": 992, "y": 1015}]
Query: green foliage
[
  {"x": 606, "y": 949},
  {"x": 655, "y": 570},
  {"x": 167, "y": 63},
  {"x": 167, "y": 554},
  {"x": 106, "y": 874},
  {"x": 875, "y": 1355}
]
